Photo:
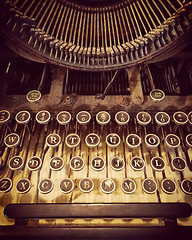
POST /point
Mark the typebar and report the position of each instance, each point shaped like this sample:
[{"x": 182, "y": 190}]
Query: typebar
[{"x": 104, "y": 210}]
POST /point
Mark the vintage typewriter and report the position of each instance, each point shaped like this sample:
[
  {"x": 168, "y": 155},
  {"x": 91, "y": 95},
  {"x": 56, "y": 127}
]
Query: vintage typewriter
[{"x": 95, "y": 119}]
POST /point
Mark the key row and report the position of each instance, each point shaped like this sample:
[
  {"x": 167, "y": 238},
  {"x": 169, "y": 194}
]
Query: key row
[
  {"x": 77, "y": 163},
  {"x": 86, "y": 185},
  {"x": 102, "y": 117},
  {"x": 113, "y": 140}
]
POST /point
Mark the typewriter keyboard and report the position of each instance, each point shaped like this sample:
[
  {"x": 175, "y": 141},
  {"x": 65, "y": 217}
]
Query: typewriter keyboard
[{"x": 94, "y": 158}]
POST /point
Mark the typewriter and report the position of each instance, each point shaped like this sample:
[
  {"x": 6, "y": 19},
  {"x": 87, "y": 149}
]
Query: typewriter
[{"x": 95, "y": 119}]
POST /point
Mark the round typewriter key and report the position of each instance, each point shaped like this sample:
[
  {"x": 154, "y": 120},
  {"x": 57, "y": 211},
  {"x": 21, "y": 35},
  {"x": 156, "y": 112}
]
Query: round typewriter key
[
  {"x": 92, "y": 140},
  {"x": 66, "y": 185},
  {"x": 4, "y": 116},
  {"x": 117, "y": 163},
  {"x": 162, "y": 118},
  {"x": 168, "y": 186},
  {"x": 45, "y": 186},
  {"x": 56, "y": 163},
  {"x": 122, "y": 118},
  {"x": 83, "y": 117},
  {"x": 189, "y": 140},
  {"x": 180, "y": 118},
  {"x": 103, "y": 118},
  {"x": 43, "y": 117},
  {"x": 133, "y": 140},
  {"x": 178, "y": 164},
  {"x": 33, "y": 96},
  {"x": 34, "y": 163},
  {"x": 128, "y": 186},
  {"x": 76, "y": 163},
  {"x": 143, "y": 118},
  {"x": 16, "y": 163},
  {"x": 152, "y": 140},
  {"x": 23, "y": 185},
  {"x": 63, "y": 118},
  {"x": 107, "y": 185},
  {"x": 97, "y": 163},
  {"x": 12, "y": 140},
  {"x": 137, "y": 163},
  {"x": 186, "y": 186},
  {"x": 53, "y": 140},
  {"x": 5, "y": 185},
  {"x": 23, "y": 117},
  {"x": 72, "y": 140},
  {"x": 149, "y": 185},
  {"x": 113, "y": 140},
  {"x": 172, "y": 141},
  {"x": 157, "y": 163},
  {"x": 86, "y": 185},
  {"x": 157, "y": 95},
  {"x": 190, "y": 117}
]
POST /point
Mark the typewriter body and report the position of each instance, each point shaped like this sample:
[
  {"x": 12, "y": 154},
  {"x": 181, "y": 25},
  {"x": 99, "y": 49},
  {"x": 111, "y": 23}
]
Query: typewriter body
[{"x": 95, "y": 119}]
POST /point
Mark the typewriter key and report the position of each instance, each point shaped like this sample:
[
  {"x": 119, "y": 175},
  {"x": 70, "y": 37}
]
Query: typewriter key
[
  {"x": 172, "y": 141},
  {"x": 16, "y": 163},
  {"x": 4, "y": 116},
  {"x": 133, "y": 140},
  {"x": 189, "y": 140},
  {"x": 149, "y": 185},
  {"x": 137, "y": 163},
  {"x": 103, "y": 118},
  {"x": 178, "y": 164},
  {"x": 168, "y": 186},
  {"x": 12, "y": 140},
  {"x": 117, "y": 163},
  {"x": 113, "y": 140},
  {"x": 66, "y": 185},
  {"x": 157, "y": 163},
  {"x": 63, "y": 118},
  {"x": 157, "y": 95},
  {"x": 143, "y": 118},
  {"x": 53, "y": 140},
  {"x": 72, "y": 140},
  {"x": 76, "y": 163},
  {"x": 43, "y": 117},
  {"x": 5, "y": 184},
  {"x": 128, "y": 186},
  {"x": 107, "y": 185},
  {"x": 86, "y": 185},
  {"x": 162, "y": 118},
  {"x": 23, "y": 117},
  {"x": 97, "y": 163},
  {"x": 83, "y": 117},
  {"x": 45, "y": 186},
  {"x": 23, "y": 185},
  {"x": 122, "y": 118},
  {"x": 152, "y": 140},
  {"x": 34, "y": 163},
  {"x": 186, "y": 186},
  {"x": 190, "y": 117},
  {"x": 180, "y": 118},
  {"x": 92, "y": 140},
  {"x": 56, "y": 163},
  {"x": 33, "y": 96}
]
